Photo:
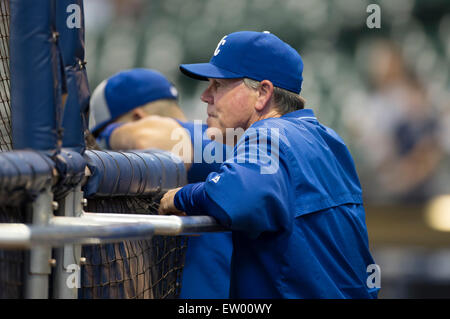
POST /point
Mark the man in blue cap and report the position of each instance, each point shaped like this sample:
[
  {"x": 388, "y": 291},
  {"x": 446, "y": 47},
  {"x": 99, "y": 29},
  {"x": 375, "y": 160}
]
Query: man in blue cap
[
  {"x": 129, "y": 96},
  {"x": 290, "y": 193},
  {"x": 138, "y": 109}
]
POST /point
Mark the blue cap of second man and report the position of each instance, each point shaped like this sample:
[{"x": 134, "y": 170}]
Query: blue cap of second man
[
  {"x": 125, "y": 91},
  {"x": 255, "y": 55}
]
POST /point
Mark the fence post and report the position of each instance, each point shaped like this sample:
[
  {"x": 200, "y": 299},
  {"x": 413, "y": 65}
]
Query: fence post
[
  {"x": 67, "y": 272},
  {"x": 38, "y": 260}
]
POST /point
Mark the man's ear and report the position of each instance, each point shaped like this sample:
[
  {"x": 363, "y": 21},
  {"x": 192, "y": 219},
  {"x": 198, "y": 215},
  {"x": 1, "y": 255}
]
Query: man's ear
[
  {"x": 138, "y": 113},
  {"x": 265, "y": 92}
]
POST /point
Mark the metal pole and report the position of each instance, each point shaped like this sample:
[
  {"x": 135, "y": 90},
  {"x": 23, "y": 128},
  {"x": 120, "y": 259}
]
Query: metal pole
[
  {"x": 23, "y": 236},
  {"x": 164, "y": 225},
  {"x": 38, "y": 261},
  {"x": 66, "y": 283},
  {"x": 15, "y": 236}
]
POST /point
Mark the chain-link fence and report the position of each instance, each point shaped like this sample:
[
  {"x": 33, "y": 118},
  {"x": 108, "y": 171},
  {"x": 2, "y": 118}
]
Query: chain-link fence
[
  {"x": 149, "y": 269},
  {"x": 5, "y": 105}
]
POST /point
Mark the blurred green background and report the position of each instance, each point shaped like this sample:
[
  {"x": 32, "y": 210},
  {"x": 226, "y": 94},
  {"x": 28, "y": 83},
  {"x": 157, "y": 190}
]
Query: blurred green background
[{"x": 384, "y": 90}]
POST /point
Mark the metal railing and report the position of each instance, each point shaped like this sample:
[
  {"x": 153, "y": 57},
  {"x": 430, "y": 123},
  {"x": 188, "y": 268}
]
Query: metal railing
[
  {"x": 57, "y": 226},
  {"x": 67, "y": 233},
  {"x": 95, "y": 228}
]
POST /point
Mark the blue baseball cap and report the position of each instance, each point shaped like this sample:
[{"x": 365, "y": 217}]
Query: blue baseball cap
[
  {"x": 255, "y": 55},
  {"x": 126, "y": 91}
]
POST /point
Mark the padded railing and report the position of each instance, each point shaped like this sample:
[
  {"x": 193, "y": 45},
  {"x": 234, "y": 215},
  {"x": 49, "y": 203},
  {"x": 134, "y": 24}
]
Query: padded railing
[{"x": 49, "y": 195}]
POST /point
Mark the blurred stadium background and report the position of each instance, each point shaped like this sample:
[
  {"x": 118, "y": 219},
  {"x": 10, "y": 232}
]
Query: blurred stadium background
[{"x": 385, "y": 91}]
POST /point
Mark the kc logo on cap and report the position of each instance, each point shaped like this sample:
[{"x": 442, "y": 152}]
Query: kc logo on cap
[
  {"x": 255, "y": 55},
  {"x": 222, "y": 42}
]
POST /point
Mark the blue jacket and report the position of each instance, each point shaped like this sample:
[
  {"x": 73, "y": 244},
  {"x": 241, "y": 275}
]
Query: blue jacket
[
  {"x": 206, "y": 272},
  {"x": 292, "y": 198}
]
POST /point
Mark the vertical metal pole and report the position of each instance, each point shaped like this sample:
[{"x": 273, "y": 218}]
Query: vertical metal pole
[
  {"x": 67, "y": 272},
  {"x": 38, "y": 261}
]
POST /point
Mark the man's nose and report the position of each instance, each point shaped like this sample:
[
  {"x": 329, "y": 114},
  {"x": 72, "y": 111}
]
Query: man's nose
[{"x": 206, "y": 96}]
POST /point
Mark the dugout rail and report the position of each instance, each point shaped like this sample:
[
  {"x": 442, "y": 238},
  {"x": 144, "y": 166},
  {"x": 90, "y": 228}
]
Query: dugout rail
[
  {"x": 30, "y": 176},
  {"x": 56, "y": 191}
]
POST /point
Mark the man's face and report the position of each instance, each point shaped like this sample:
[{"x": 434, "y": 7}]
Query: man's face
[{"x": 230, "y": 104}]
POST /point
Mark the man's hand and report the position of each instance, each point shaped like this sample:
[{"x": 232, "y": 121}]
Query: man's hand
[{"x": 167, "y": 206}]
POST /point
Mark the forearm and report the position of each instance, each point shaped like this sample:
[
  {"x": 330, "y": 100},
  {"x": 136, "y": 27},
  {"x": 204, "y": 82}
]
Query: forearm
[
  {"x": 125, "y": 137},
  {"x": 193, "y": 200},
  {"x": 151, "y": 132},
  {"x": 140, "y": 136}
]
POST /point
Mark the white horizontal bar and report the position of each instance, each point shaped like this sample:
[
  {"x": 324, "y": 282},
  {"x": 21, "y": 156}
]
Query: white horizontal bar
[
  {"x": 14, "y": 235},
  {"x": 95, "y": 228},
  {"x": 163, "y": 224},
  {"x": 27, "y": 236}
]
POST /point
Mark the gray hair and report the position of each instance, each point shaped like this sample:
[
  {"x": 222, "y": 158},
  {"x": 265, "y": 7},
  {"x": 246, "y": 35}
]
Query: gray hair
[{"x": 284, "y": 100}]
